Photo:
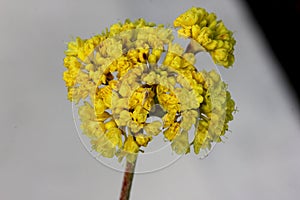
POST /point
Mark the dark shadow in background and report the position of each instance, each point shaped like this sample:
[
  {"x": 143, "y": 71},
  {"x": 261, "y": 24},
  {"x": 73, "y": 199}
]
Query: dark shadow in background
[{"x": 280, "y": 22}]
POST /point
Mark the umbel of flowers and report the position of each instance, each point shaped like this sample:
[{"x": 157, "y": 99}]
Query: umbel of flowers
[{"x": 135, "y": 69}]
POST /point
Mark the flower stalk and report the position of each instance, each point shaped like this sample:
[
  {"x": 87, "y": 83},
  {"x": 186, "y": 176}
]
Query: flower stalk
[{"x": 127, "y": 180}]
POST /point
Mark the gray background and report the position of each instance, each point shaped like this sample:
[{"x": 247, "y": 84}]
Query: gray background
[{"x": 42, "y": 157}]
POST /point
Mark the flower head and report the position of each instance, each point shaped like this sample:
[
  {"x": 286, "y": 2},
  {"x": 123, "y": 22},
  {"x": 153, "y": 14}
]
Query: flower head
[{"x": 117, "y": 78}]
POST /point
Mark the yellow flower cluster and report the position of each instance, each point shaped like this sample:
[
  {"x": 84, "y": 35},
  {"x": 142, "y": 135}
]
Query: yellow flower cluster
[
  {"x": 216, "y": 111},
  {"x": 210, "y": 33},
  {"x": 116, "y": 78}
]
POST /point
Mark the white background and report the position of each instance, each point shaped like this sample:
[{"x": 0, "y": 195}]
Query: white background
[{"x": 41, "y": 156}]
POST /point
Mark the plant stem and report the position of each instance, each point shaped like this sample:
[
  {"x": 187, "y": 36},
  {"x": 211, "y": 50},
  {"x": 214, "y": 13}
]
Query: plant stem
[
  {"x": 127, "y": 180},
  {"x": 194, "y": 47}
]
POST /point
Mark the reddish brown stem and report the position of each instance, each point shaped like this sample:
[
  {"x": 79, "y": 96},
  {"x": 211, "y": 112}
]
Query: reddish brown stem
[
  {"x": 194, "y": 47},
  {"x": 127, "y": 180}
]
